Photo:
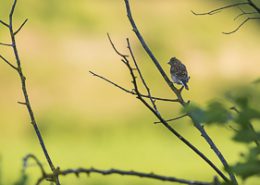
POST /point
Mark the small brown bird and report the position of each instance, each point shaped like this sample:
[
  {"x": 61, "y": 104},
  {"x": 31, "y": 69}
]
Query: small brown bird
[{"x": 179, "y": 72}]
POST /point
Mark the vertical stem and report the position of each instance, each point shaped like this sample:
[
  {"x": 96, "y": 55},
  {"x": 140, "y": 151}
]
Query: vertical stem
[{"x": 26, "y": 97}]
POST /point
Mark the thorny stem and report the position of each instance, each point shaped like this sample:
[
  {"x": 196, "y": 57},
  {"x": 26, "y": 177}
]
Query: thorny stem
[
  {"x": 89, "y": 171},
  {"x": 24, "y": 89}
]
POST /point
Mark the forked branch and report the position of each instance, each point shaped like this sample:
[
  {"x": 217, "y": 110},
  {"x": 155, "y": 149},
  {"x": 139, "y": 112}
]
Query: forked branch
[
  {"x": 131, "y": 91},
  {"x": 126, "y": 62},
  {"x": 88, "y": 171},
  {"x": 240, "y": 6},
  {"x": 179, "y": 96},
  {"x": 27, "y": 103}
]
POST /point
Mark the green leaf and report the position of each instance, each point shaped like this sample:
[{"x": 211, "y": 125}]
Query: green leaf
[
  {"x": 257, "y": 81},
  {"x": 246, "y": 136},
  {"x": 196, "y": 112},
  {"x": 247, "y": 169},
  {"x": 250, "y": 166},
  {"x": 245, "y": 117},
  {"x": 217, "y": 113}
]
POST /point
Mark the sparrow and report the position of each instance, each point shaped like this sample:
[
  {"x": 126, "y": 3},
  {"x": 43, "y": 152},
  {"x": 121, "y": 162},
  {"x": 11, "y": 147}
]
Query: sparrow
[{"x": 179, "y": 72}]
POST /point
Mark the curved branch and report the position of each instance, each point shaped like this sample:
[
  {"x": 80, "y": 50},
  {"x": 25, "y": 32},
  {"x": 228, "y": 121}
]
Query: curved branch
[
  {"x": 39, "y": 164},
  {"x": 243, "y": 23},
  {"x": 217, "y": 10},
  {"x": 89, "y": 171},
  {"x": 22, "y": 25}
]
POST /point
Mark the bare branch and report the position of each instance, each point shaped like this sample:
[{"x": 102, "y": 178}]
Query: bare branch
[
  {"x": 147, "y": 49},
  {"x": 154, "y": 176},
  {"x": 112, "y": 44},
  {"x": 17, "y": 31},
  {"x": 253, "y": 5},
  {"x": 141, "y": 76},
  {"x": 217, "y": 10},
  {"x": 243, "y": 13},
  {"x": 240, "y": 25},
  {"x": 12, "y": 11},
  {"x": 9, "y": 63},
  {"x": 249, "y": 3},
  {"x": 173, "y": 119},
  {"x": 25, "y": 92},
  {"x": 4, "y": 44},
  {"x": 39, "y": 164},
  {"x": 21, "y": 103},
  {"x": 172, "y": 130},
  {"x": 3, "y": 23},
  {"x": 181, "y": 101},
  {"x": 132, "y": 92}
]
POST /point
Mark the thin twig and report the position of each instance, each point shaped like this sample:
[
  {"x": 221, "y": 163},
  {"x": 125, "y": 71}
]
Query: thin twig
[
  {"x": 240, "y": 25},
  {"x": 31, "y": 156},
  {"x": 131, "y": 92},
  {"x": 181, "y": 101},
  {"x": 112, "y": 44},
  {"x": 217, "y": 10},
  {"x": 21, "y": 103},
  {"x": 17, "y": 31},
  {"x": 5, "y": 44},
  {"x": 25, "y": 93},
  {"x": 173, "y": 119},
  {"x": 250, "y": 126},
  {"x": 243, "y": 13},
  {"x": 141, "y": 76},
  {"x": 248, "y": 3},
  {"x": 253, "y": 5},
  {"x": 3, "y": 23},
  {"x": 154, "y": 176},
  {"x": 234, "y": 109},
  {"x": 9, "y": 63}
]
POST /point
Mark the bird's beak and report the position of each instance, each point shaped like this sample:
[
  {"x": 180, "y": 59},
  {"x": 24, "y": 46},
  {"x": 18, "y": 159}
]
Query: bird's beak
[{"x": 168, "y": 62}]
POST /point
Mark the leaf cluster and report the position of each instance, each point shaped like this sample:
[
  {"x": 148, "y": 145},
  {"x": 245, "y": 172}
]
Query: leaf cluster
[{"x": 243, "y": 116}]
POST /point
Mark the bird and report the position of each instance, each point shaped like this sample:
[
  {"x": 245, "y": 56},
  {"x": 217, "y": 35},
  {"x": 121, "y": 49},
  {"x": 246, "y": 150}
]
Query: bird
[{"x": 179, "y": 72}]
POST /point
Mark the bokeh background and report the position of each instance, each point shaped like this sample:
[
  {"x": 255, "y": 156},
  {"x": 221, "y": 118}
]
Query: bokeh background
[{"x": 86, "y": 122}]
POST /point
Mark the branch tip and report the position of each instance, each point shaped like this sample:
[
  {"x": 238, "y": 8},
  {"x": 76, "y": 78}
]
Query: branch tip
[{"x": 19, "y": 29}]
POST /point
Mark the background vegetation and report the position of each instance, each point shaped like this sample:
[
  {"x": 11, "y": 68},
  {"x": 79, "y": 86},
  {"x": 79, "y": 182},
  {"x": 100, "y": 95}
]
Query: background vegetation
[{"x": 85, "y": 121}]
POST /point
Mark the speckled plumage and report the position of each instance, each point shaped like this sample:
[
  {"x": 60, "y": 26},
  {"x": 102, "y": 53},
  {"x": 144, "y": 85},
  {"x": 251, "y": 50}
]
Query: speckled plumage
[{"x": 179, "y": 72}]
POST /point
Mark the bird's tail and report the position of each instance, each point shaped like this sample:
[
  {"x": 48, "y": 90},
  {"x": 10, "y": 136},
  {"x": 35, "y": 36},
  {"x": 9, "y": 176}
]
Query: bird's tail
[{"x": 185, "y": 85}]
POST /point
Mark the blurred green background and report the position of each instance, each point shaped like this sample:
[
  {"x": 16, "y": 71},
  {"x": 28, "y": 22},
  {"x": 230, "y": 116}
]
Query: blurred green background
[{"x": 86, "y": 122}]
